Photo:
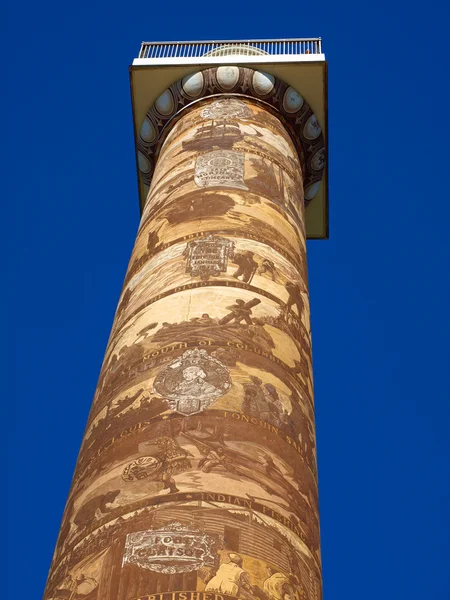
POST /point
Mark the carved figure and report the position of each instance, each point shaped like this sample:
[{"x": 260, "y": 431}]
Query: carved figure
[
  {"x": 277, "y": 586},
  {"x": 240, "y": 311},
  {"x": 231, "y": 579},
  {"x": 267, "y": 266},
  {"x": 97, "y": 507},
  {"x": 295, "y": 297},
  {"x": 247, "y": 265}
]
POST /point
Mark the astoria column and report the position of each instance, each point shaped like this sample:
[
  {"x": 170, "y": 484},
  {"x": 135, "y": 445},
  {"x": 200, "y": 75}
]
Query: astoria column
[{"x": 197, "y": 479}]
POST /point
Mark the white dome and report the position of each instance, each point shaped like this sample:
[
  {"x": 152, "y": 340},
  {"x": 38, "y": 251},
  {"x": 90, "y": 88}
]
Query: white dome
[{"x": 235, "y": 50}]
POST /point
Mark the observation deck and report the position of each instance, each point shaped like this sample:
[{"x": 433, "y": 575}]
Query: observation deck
[{"x": 212, "y": 52}]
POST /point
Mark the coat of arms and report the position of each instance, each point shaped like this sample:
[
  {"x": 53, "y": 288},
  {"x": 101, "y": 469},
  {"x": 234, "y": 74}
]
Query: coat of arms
[
  {"x": 175, "y": 548},
  {"x": 193, "y": 381},
  {"x": 208, "y": 257},
  {"x": 220, "y": 168}
]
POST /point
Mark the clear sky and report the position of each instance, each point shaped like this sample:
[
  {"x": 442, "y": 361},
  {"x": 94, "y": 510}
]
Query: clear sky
[{"x": 379, "y": 286}]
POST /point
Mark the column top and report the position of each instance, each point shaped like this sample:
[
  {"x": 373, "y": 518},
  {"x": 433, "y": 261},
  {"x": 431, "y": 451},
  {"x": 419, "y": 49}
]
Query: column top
[{"x": 299, "y": 62}]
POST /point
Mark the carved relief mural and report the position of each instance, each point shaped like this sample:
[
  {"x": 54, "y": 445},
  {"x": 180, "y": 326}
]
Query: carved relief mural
[{"x": 197, "y": 477}]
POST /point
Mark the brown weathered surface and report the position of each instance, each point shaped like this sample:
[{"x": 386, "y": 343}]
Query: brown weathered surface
[{"x": 197, "y": 472}]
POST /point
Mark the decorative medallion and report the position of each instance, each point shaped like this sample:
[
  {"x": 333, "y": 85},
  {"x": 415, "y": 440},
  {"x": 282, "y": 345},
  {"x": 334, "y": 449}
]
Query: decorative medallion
[
  {"x": 227, "y": 77},
  {"x": 263, "y": 83},
  {"x": 175, "y": 548},
  {"x": 318, "y": 160},
  {"x": 192, "y": 85},
  {"x": 220, "y": 168},
  {"x": 226, "y": 107},
  {"x": 312, "y": 129},
  {"x": 165, "y": 104},
  {"x": 193, "y": 381},
  {"x": 208, "y": 257}
]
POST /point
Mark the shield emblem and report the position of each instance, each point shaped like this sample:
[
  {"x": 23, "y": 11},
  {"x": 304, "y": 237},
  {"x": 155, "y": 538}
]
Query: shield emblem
[{"x": 188, "y": 406}]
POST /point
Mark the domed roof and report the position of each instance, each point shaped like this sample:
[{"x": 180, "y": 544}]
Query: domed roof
[{"x": 236, "y": 50}]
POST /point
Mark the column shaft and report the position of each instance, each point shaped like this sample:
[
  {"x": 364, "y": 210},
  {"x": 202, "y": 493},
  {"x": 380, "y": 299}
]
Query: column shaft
[{"x": 197, "y": 473}]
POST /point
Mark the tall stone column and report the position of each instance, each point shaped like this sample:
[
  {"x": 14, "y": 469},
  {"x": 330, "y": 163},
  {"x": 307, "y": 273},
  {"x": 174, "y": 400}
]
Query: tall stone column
[{"x": 197, "y": 478}]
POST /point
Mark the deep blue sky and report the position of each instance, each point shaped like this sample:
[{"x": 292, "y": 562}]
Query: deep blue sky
[{"x": 379, "y": 286}]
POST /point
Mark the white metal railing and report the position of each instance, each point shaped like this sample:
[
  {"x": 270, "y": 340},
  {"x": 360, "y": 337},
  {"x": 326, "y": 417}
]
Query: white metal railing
[{"x": 163, "y": 50}]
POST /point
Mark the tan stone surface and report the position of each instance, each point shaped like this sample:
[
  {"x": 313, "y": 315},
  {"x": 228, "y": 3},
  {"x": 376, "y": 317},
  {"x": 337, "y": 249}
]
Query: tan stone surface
[{"x": 197, "y": 472}]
